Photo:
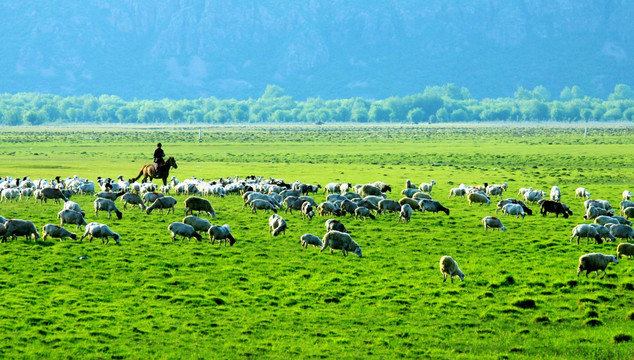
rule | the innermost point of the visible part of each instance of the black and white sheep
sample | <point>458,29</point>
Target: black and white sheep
<point>194,203</point>
<point>165,202</point>
<point>626,249</point>
<point>184,230</point>
<point>307,211</point>
<point>449,267</point>
<point>71,217</point>
<point>107,205</point>
<point>587,231</point>
<point>493,223</point>
<point>478,198</point>
<point>199,224</point>
<point>58,232</point>
<point>338,240</point>
<point>277,225</point>
<point>100,231</point>
<point>595,262</point>
<point>310,239</point>
<point>17,227</point>
<point>221,233</point>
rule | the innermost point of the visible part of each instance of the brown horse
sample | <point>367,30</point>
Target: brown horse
<point>150,171</point>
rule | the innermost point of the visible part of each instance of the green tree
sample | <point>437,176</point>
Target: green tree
<point>537,110</point>
<point>378,113</point>
<point>416,116</point>
<point>442,115</point>
<point>359,115</point>
<point>621,92</point>
<point>541,93</point>
<point>459,115</point>
<point>613,114</point>
<point>628,114</point>
<point>176,115</point>
<point>523,94</point>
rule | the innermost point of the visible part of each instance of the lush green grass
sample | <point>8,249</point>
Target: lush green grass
<point>269,298</point>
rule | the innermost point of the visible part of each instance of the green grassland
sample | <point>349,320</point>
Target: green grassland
<point>267,297</point>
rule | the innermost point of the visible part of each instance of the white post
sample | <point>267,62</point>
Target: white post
<point>200,135</point>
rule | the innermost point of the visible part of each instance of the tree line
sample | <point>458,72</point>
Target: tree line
<point>437,104</point>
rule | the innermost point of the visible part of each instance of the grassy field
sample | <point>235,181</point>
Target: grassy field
<point>267,297</point>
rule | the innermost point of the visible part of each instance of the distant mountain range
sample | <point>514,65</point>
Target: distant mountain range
<point>313,48</point>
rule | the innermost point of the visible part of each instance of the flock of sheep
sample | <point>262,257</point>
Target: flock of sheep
<point>274,195</point>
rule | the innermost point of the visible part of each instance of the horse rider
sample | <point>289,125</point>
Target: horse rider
<point>158,156</point>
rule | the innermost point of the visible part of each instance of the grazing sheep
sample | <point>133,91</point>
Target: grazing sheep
<point>336,197</point>
<point>184,230</point>
<point>363,212</point>
<point>457,192</point>
<point>622,220</point>
<point>555,194</point>
<point>327,208</point>
<point>427,187</point>
<point>338,240</point>
<point>627,194</point>
<point>406,213</point>
<point>549,206</point>
<point>348,207</point>
<point>367,204</point>
<point>71,205</point>
<point>599,203</point>
<point>26,193</point>
<point>449,267</point>
<point>581,192</point>
<point>194,203</point>
<point>628,212</point>
<point>493,223</point>
<point>622,231</point>
<point>334,224</point>
<point>594,212</point>
<point>310,239</point>
<point>534,196</point>
<point>71,217</point>
<point>132,199</point>
<point>625,204</point>
<point>604,232</point>
<point>277,225</point>
<point>478,198</point>
<point>513,209</point>
<point>626,249</point>
<point>494,190</point>
<point>17,227</point>
<point>109,195</point>
<point>221,233</point>
<point>382,186</point>
<point>368,190</point>
<point>409,192</point>
<point>107,205</point>
<point>523,191</point>
<point>374,200</point>
<point>197,223</point>
<point>586,231</point>
<point>53,193</point>
<point>262,205</point>
<point>55,231</point>
<point>165,202</point>
<point>150,197</point>
<point>604,219</point>
<point>501,204</point>
<point>307,211</point>
<point>432,206</point>
<point>101,231</point>
<point>332,188</point>
<point>595,262</point>
<point>9,194</point>
<point>413,203</point>
<point>421,195</point>
<point>389,205</point>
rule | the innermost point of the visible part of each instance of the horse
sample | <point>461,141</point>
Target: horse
<point>150,171</point>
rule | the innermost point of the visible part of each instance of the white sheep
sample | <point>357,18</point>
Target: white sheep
<point>18,227</point>
<point>55,231</point>
<point>626,249</point>
<point>338,240</point>
<point>277,225</point>
<point>627,194</point>
<point>604,219</point>
<point>421,195</point>
<point>389,205</point>
<point>262,205</point>
<point>599,203</point>
<point>493,223</point>
<point>310,239</point>
<point>457,192</point>
<point>194,203</point>
<point>26,193</point>
<point>327,208</point>
<point>628,212</point>
<point>582,192</point>
<point>478,198</point>
<point>363,212</point>
<point>604,232</point>
<point>409,185</point>
<point>9,195</point>
<point>71,205</point>
<point>150,197</point>
<point>534,196</point>
<point>555,193</point>
<point>166,202</point>
<point>586,231</point>
<point>406,213</point>
<point>625,204</point>
<point>523,191</point>
<point>184,230</point>
<point>622,231</point>
<point>427,187</point>
<point>197,223</point>
<point>221,233</point>
<point>332,188</point>
<point>71,217</point>
<point>595,262</point>
<point>107,205</point>
<point>513,209</point>
<point>594,212</point>
<point>101,231</point>
<point>132,199</point>
<point>494,190</point>
<point>449,267</point>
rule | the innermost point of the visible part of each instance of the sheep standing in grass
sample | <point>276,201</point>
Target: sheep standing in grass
<point>107,205</point>
<point>626,249</point>
<point>221,233</point>
<point>595,262</point>
<point>150,197</point>
<point>586,231</point>
<point>334,224</point>
<point>348,207</point>
<point>457,192</point>
<point>622,231</point>
<point>389,205</point>
<point>534,196</point>
<point>628,212</point>
<point>58,232</point>
<point>53,193</point>
<point>338,240</point>
<point>409,185</point>
<point>184,230</point>
<point>327,208</point>
<point>594,212</point>
<point>627,194</point>
<point>197,223</point>
<point>370,190</point>
<point>259,204</point>
<point>478,199</point>
<point>132,199</point>
<point>513,209</point>
<point>432,206</point>
<point>581,192</point>
<point>18,227</point>
<point>9,194</point>
<point>199,204</point>
<point>604,232</point>
<point>413,203</point>
<point>427,187</point>
<point>71,217</point>
<point>449,267</point>
<point>493,223</point>
<point>166,202</point>
<point>406,213</point>
<point>501,204</point>
<point>310,239</point>
<point>101,231</point>
<point>277,225</point>
<point>363,212</point>
<point>307,211</point>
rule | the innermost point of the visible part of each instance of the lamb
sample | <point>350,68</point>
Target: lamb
<point>628,212</point>
<point>581,192</point>
<point>406,213</point>
<point>595,262</point>
<point>368,189</point>
<point>449,267</point>
<point>197,223</point>
<point>389,205</point>
<point>221,233</point>
<point>414,204</point>
<point>262,205</point>
<point>132,199</point>
<point>622,231</point>
<point>194,203</point>
<point>604,232</point>
<point>107,205</point>
<point>432,206</point>
<point>18,227</point>
<point>55,231</point>
<point>478,198</point>
<point>53,193</point>
<point>627,194</point>
<point>338,240</point>
<point>626,249</point>
<point>513,209</point>
<point>427,187</point>
<point>493,223</point>
<point>102,231</point>
<point>165,202</point>
<point>277,225</point>
<point>586,231</point>
<point>71,217</point>
<point>327,208</point>
<point>457,192</point>
<point>310,239</point>
<point>333,224</point>
<point>555,194</point>
<point>184,230</point>
<point>363,212</point>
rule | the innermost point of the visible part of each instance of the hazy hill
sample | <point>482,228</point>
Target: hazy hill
<point>332,49</point>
